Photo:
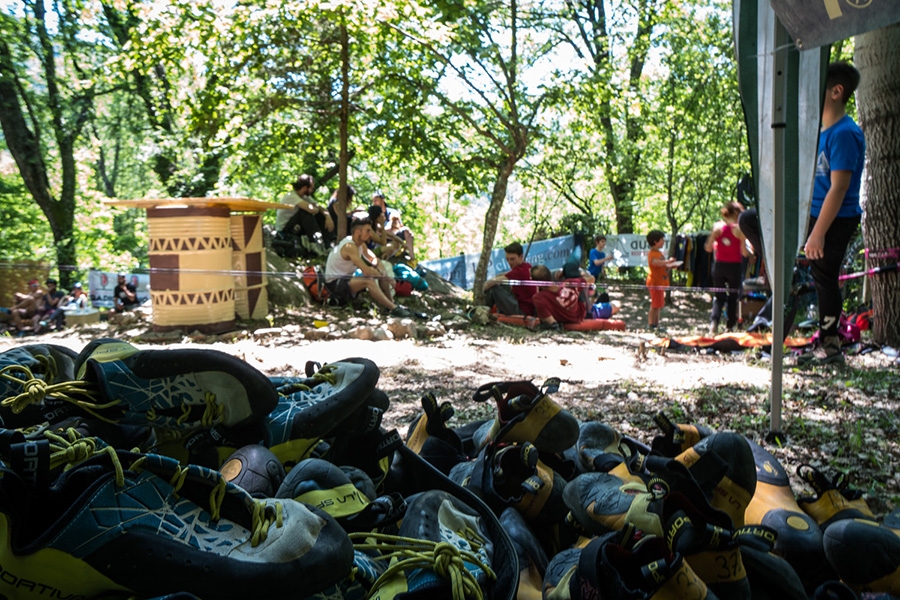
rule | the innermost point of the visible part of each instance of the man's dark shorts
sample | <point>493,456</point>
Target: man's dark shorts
<point>339,289</point>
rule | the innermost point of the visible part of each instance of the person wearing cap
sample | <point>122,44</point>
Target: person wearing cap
<point>75,299</point>
<point>26,305</point>
<point>124,295</point>
<point>49,312</point>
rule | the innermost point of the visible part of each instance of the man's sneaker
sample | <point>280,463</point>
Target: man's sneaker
<point>123,524</point>
<point>865,555</point>
<point>442,551</point>
<point>834,499</point>
<point>554,326</point>
<point>169,389</point>
<point>527,414</point>
<point>830,353</point>
<point>402,312</point>
<point>799,538</point>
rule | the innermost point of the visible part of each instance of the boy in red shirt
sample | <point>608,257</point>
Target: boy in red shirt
<point>658,279</point>
<point>557,304</point>
<point>512,299</point>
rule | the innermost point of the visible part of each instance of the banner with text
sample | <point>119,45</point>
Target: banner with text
<point>628,250</point>
<point>101,285</point>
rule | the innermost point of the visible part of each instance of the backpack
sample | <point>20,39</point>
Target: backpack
<point>314,280</point>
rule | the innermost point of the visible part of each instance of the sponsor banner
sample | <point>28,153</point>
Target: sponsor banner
<point>101,285</point>
<point>814,23</point>
<point>628,250</point>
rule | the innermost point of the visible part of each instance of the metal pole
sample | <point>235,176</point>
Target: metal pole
<point>779,122</point>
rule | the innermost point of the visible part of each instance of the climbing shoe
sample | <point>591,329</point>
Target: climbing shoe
<point>429,437</point>
<point>799,538</point>
<point>25,372</point>
<point>732,491</point>
<point>834,499</point>
<point>531,556</point>
<point>865,555</point>
<point>255,469</point>
<point>126,524</point>
<point>675,439</point>
<point>442,550</point>
<point>169,389</point>
<point>527,414</point>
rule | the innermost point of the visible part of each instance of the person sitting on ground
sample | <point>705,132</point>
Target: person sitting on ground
<point>341,209</point>
<point>597,258</point>
<point>512,299</point>
<point>384,244</point>
<point>307,221</point>
<point>76,299</point>
<point>124,294</point>
<point>558,304</point>
<point>603,308</point>
<point>341,276</point>
<point>371,253</point>
<point>394,225</point>
<point>27,304</point>
<point>49,312</point>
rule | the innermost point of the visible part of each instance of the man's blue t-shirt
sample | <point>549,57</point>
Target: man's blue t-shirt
<point>593,269</point>
<point>842,147</point>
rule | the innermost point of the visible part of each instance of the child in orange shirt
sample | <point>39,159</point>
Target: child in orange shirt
<point>658,279</point>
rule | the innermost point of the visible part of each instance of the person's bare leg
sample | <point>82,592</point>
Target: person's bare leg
<point>357,284</point>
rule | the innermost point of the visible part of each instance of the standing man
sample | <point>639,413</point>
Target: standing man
<point>515,299</point>
<point>344,260</point>
<point>309,222</point>
<point>124,295</point>
<point>835,212</point>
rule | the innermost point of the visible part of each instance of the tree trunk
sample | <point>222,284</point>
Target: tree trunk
<point>877,57</point>
<point>341,205</point>
<point>491,220</point>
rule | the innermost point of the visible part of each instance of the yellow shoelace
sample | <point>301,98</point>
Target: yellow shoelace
<point>444,558</point>
<point>36,390</point>
<point>324,375</point>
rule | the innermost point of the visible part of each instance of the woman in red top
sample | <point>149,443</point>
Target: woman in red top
<point>727,243</point>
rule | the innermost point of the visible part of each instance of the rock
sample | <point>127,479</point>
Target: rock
<point>317,334</point>
<point>432,329</point>
<point>381,334</point>
<point>361,333</point>
<point>285,291</point>
<point>267,332</point>
<point>455,324</point>
<point>403,328</point>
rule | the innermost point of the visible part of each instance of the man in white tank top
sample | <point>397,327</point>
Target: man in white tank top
<point>343,261</point>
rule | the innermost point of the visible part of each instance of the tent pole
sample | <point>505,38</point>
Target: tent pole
<point>779,122</point>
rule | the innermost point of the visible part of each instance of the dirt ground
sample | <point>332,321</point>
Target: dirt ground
<point>837,419</point>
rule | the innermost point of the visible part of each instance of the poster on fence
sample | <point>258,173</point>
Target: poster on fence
<point>102,283</point>
<point>628,250</point>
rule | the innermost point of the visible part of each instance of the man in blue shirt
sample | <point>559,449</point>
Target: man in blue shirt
<point>835,212</point>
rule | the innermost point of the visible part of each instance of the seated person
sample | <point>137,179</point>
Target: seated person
<point>512,299</point>
<point>76,299</point>
<point>311,224</point>
<point>49,312</point>
<point>557,303</point>
<point>394,225</point>
<point>27,304</point>
<point>336,207</point>
<point>124,295</point>
<point>383,243</point>
<point>603,308</point>
<point>341,276</point>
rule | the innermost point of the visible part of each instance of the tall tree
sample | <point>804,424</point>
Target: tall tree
<point>44,117</point>
<point>472,76</point>
<point>613,49</point>
<point>877,56</point>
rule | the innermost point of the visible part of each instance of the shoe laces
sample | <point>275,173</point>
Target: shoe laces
<point>35,390</point>
<point>263,514</point>
<point>325,374</point>
<point>211,414</point>
<point>445,559</point>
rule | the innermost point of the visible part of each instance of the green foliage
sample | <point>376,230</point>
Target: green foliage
<point>25,234</point>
